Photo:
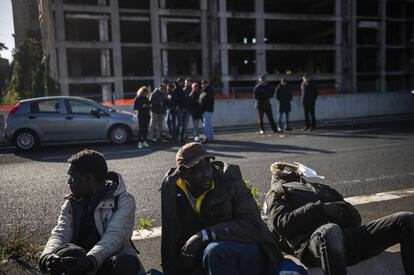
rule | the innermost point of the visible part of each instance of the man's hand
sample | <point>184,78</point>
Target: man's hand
<point>54,264</point>
<point>78,265</point>
<point>192,246</point>
<point>335,209</point>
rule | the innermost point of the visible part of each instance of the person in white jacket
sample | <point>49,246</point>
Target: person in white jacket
<point>93,234</point>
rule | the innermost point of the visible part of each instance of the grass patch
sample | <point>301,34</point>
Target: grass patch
<point>254,192</point>
<point>145,223</point>
<point>20,247</point>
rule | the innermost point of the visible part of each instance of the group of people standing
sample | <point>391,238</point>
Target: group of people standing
<point>263,92</point>
<point>172,104</point>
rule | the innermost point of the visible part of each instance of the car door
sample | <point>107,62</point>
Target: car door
<point>45,117</point>
<point>81,124</point>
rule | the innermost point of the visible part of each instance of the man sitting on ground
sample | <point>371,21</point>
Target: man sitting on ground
<point>95,224</point>
<point>211,223</point>
<point>317,226</point>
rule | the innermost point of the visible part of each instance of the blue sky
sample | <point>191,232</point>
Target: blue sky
<point>6,28</point>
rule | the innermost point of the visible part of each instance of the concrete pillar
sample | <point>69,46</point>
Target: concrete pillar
<point>354,44</point>
<point>214,42</point>
<point>116,50</point>
<point>61,48</point>
<point>106,92</point>
<point>164,52</point>
<point>338,44</point>
<point>383,49</point>
<point>224,52</point>
<point>205,56</point>
<point>260,35</point>
<point>156,46</point>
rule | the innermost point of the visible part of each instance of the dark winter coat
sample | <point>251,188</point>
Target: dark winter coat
<point>158,101</point>
<point>284,96</point>
<point>207,99</point>
<point>309,93</point>
<point>262,93</point>
<point>229,211</point>
<point>195,106</point>
<point>295,210</point>
<point>182,98</point>
<point>142,106</point>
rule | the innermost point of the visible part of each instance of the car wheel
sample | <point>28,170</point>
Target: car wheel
<point>119,134</point>
<point>26,140</point>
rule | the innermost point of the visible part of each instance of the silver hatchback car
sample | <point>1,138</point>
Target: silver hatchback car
<point>36,121</point>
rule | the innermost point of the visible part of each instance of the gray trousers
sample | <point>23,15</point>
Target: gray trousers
<point>156,125</point>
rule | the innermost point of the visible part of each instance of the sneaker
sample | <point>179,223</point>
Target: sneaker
<point>288,129</point>
<point>197,139</point>
<point>304,129</point>
<point>279,129</point>
<point>154,139</point>
<point>261,132</point>
<point>139,145</point>
<point>145,144</point>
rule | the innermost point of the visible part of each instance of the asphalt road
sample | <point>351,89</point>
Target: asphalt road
<point>356,158</point>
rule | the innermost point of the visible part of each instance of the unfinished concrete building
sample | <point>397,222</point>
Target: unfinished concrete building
<point>106,49</point>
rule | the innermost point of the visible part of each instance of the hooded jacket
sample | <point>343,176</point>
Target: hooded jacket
<point>229,211</point>
<point>114,227</point>
<point>295,210</point>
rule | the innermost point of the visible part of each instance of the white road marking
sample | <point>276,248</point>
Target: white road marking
<point>357,200</point>
<point>378,197</point>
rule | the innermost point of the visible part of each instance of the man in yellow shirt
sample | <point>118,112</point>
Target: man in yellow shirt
<point>210,220</point>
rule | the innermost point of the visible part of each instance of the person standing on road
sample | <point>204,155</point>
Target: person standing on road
<point>309,95</point>
<point>262,93</point>
<point>158,101</point>
<point>210,220</point>
<point>315,224</point>
<point>284,97</point>
<point>142,108</point>
<point>171,111</point>
<point>95,223</point>
<point>207,104</point>
<point>196,109</point>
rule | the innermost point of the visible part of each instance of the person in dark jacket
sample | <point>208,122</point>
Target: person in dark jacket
<point>207,104</point>
<point>262,93</point>
<point>158,101</point>
<point>321,229</point>
<point>207,212</point>
<point>172,110</point>
<point>196,109</point>
<point>95,224</point>
<point>284,97</point>
<point>182,92</point>
<point>309,95</point>
<point>142,108</point>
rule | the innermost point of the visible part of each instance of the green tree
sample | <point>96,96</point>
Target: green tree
<point>30,73</point>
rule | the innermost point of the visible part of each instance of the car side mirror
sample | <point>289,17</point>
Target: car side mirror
<point>95,112</point>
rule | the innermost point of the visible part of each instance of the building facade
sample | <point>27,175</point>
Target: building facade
<point>25,20</point>
<point>106,49</point>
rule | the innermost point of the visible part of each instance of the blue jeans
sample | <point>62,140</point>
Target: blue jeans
<point>181,123</point>
<point>172,122</point>
<point>208,126</point>
<point>232,257</point>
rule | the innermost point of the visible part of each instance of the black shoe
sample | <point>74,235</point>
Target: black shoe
<point>288,129</point>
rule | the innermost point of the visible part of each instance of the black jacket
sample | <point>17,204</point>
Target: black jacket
<point>284,96</point>
<point>295,210</point>
<point>229,210</point>
<point>309,93</point>
<point>207,99</point>
<point>195,106</point>
<point>182,98</point>
<point>262,93</point>
<point>142,106</point>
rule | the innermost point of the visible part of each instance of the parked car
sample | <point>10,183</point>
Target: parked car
<point>33,122</point>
